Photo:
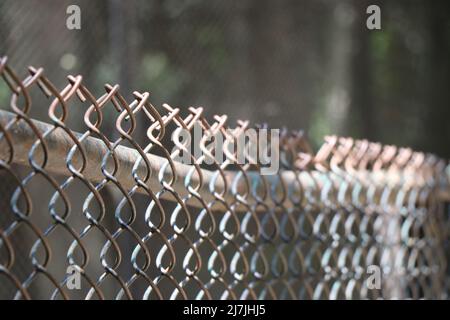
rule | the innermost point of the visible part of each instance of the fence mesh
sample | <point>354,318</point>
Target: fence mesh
<point>119,209</point>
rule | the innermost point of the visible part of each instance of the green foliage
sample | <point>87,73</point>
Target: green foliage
<point>159,77</point>
<point>212,39</point>
<point>320,125</point>
<point>4,95</point>
<point>380,46</point>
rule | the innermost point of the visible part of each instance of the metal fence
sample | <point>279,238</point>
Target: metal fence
<point>96,190</point>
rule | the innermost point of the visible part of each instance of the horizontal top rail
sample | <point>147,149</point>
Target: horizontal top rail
<point>59,145</point>
<point>310,229</point>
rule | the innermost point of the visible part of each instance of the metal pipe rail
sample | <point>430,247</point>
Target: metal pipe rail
<point>309,231</point>
<point>59,145</point>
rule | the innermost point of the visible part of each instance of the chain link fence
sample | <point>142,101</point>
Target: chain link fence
<point>118,209</point>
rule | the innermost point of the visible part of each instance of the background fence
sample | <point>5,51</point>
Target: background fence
<point>309,64</point>
<point>135,223</point>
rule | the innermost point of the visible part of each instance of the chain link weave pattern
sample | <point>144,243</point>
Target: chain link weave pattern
<point>95,187</point>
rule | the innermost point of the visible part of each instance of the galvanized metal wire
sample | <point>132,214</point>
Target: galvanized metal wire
<point>135,223</point>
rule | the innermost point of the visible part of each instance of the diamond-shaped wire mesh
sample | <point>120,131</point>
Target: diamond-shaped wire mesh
<point>134,222</point>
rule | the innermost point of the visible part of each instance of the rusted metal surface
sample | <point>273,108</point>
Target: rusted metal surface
<point>137,223</point>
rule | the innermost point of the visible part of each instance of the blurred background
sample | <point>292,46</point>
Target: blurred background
<point>309,64</point>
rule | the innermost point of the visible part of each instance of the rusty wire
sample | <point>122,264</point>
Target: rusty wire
<point>150,227</point>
